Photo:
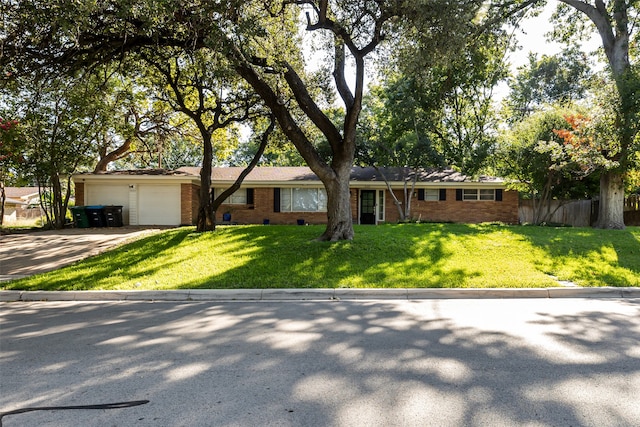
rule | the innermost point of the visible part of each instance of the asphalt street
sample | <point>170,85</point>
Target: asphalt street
<point>512,362</point>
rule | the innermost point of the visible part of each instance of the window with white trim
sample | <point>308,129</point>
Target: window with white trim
<point>303,200</point>
<point>237,198</point>
<point>432,194</point>
<point>478,194</point>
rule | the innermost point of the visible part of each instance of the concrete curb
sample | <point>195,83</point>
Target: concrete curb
<point>317,294</point>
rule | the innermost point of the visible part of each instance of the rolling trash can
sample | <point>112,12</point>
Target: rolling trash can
<point>79,215</point>
<point>96,216</point>
<point>113,216</point>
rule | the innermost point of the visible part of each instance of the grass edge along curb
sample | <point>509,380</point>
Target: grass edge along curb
<point>403,256</point>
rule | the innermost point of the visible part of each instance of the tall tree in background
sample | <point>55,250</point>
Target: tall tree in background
<point>551,79</point>
<point>448,102</point>
<point>392,135</point>
<point>133,124</point>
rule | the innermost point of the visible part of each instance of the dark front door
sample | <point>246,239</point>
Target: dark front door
<point>368,207</point>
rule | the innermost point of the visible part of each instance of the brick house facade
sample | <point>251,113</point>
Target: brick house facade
<point>454,201</point>
<point>291,195</point>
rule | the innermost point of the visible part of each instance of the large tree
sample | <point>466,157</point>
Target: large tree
<point>392,135</point>
<point>445,101</point>
<point>535,159</point>
<point>261,41</point>
<point>59,118</point>
<point>615,22</point>
<point>134,125</point>
<point>202,87</point>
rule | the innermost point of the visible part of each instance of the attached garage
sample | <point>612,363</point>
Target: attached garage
<point>159,204</point>
<point>148,197</point>
<point>116,194</point>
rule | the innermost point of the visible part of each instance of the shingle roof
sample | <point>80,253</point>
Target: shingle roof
<point>279,174</point>
<point>19,192</point>
<point>358,174</point>
<point>305,174</point>
<point>11,201</point>
<point>166,172</point>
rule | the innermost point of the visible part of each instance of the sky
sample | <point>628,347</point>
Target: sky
<point>532,37</point>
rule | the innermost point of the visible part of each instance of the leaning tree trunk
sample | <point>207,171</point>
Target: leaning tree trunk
<point>118,153</point>
<point>611,207</point>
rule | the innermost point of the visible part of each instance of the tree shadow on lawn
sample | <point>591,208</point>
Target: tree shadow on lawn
<point>321,364</point>
<point>589,256</point>
<point>417,258</point>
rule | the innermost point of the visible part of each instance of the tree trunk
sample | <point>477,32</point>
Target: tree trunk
<point>206,215</point>
<point>114,155</point>
<point>57,202</point>
<point>613,27</point>
<point>339,219</point>
<point>401,212</point>
<point>611,207</point>
<point>408,195</point>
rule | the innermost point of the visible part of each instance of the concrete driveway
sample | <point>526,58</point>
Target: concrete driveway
<point>27,254</point>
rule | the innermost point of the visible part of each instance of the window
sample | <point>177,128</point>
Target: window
<point>381,205</point>
<point>475,194</point>
<point>487,195</point>
<point>303,200</point>
<point>237,198</point>
<point>432,195</point>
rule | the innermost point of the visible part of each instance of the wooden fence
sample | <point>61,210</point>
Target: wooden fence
<point>579,213</point>
<point>632,203</point>
<point>570,212</point>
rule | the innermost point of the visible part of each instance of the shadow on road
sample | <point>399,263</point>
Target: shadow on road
<point>322,364</point>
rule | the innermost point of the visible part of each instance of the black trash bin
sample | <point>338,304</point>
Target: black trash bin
<point>79,215</point>
<point>96,216</point>
<point>113,216</point>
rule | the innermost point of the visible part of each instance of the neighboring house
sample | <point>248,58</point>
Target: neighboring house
<point>21,203</point>
<point>288,195</point>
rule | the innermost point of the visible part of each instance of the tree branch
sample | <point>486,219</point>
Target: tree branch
<point>264,139</point>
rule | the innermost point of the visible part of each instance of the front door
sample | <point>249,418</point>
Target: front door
<point>368,207</point>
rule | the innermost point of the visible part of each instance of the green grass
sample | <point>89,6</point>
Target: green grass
<point>388,256</point>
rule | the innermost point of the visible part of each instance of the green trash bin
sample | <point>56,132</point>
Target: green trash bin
<point>80,217</point>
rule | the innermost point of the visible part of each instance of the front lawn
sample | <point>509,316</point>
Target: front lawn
<point>388,256</point>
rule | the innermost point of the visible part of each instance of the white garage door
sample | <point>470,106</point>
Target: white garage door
<point>108,195</point>
<point>159,204</point>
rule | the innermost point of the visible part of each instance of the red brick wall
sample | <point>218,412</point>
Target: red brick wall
<point>79,193</point>
<point>189,204</point>
<point>355,200</point>
<point>452,210</point>
<point>262,209</point>
<point>438,211</point>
